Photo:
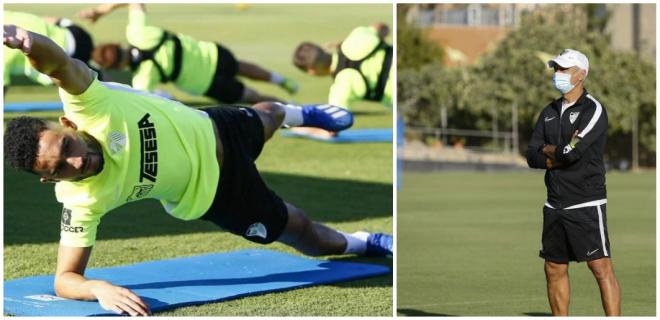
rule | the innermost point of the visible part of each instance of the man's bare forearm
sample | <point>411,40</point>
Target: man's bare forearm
<point>46,56</point>
<point>71,285</point>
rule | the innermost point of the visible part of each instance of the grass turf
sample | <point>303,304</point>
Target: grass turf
<point>348,187</point>
<point>468,246</point>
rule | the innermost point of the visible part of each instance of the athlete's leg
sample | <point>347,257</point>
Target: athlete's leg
<point>255,72</point>
<point>556,275</point>
<point>610,293</point>
<point>274,115</point>
<point>306,236</point>
<point>310,238</point>
<point>271,115</point>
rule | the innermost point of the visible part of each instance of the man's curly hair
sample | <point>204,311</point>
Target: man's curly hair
<point>22,141</point>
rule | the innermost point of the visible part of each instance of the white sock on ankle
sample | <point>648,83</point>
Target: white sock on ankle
<point>355,242</point>
<point>276,78</point>
<point>293,115</point>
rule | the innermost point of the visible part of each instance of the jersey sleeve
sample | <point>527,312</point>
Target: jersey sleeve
<point>78,226</point>
<point>347,87</point>
<point>146,78</point>
<point>592,126</point>
<point>139,33</point>
<point>535,157</point>
<point>91,101</point>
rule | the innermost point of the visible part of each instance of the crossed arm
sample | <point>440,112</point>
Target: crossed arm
<point>546,156</point>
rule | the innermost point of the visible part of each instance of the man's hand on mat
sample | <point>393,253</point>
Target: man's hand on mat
<point>17,38</point>
<point>120,300</point>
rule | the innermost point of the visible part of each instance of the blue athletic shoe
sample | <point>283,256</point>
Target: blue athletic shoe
<point>327,117</point>
<point>380,245</point>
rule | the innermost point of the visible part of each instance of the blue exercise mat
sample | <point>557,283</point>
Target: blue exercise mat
<point>167,284</point>
<point>348,136</point>
<point>33,106</point>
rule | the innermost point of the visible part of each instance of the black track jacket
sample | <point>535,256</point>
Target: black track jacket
<point>580,176</point>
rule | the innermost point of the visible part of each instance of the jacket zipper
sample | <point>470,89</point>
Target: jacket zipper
<point>558,143</point>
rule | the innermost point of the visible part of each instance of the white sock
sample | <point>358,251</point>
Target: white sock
<point>355,242</point>
<point>276,78</point>
<point>293,116</point>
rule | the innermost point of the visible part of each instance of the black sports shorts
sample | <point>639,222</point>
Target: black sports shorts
<point>243,204</point>
<point>575,234</point>
<point>225,87</point>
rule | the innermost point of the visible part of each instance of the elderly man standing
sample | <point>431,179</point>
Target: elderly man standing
<point>569,142</point>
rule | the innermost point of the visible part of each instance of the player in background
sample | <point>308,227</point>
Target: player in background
<point>361,66</point>
<point>200,68</point>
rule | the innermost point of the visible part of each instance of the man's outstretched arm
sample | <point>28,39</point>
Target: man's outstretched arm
<point>71,283</point>
<point>72,75</point>
<point>95,13</point>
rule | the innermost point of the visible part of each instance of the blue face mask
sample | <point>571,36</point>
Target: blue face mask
<point>562,82</point>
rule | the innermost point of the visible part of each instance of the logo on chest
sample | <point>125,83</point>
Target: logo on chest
<point>116,142</point>
<point>148,159</point>
<point>573,116</point>
<point>149,150</point>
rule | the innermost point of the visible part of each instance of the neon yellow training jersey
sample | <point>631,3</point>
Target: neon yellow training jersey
<point>15,61</point>
<point>199,58</point>
<point>349,85</point>
<point>152,148</point>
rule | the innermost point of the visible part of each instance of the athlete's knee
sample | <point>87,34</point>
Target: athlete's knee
<point>601,268</point>
<point>554,271</point>
<point>270,112</point>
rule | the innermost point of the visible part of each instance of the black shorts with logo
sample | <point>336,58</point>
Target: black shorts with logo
<point>575,234</point>
<point>243,204</point>
<point>225,86</point>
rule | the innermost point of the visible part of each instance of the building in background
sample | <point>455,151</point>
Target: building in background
<point>467,31</point>
<point>632,28</point>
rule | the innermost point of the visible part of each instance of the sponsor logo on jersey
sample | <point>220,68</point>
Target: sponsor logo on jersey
<point>139,192</point>
<point>66,216</point>
<point>149,148</point>
<point>257,229</point>
<point>66,222</point>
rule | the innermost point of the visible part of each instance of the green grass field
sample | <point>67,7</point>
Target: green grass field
<point>468,245</point>
<point>349,187</point>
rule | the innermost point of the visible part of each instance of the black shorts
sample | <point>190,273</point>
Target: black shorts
<point>243,204</point>
<point>575,234</point>
<point>225,87</point>
<point>84,42</point>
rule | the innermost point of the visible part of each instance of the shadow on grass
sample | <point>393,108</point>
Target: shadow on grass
<point>32,214</point>
<point>538,314</point>
<point>420,313</point>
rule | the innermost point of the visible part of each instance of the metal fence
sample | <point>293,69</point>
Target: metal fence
<point>477,140</point>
